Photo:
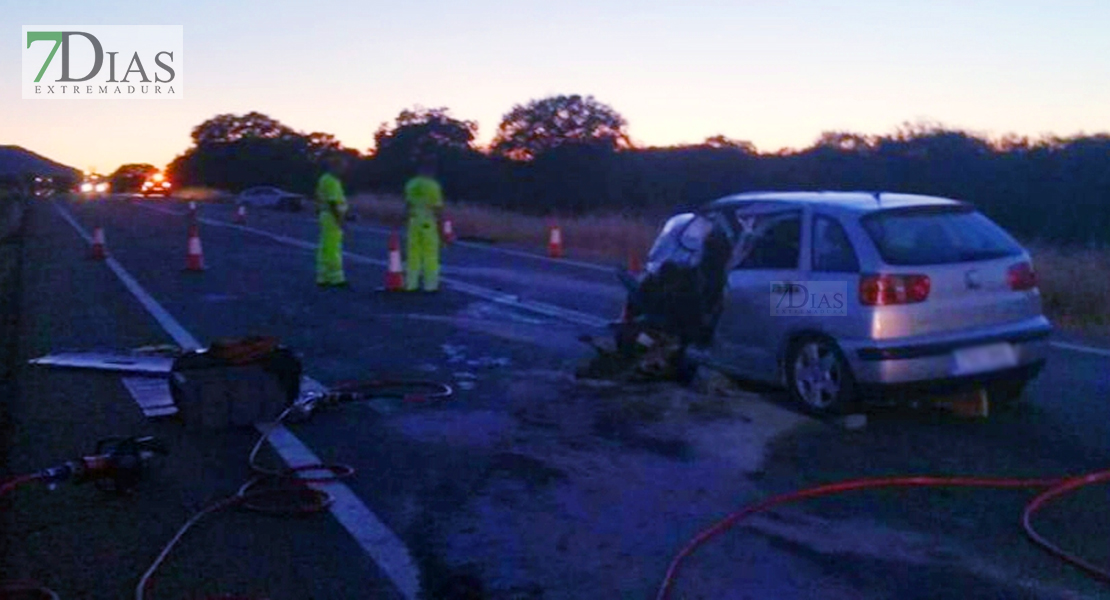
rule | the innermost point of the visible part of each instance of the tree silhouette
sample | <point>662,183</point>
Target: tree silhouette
<point>846,142</point>
<point>321,145</point>
<point>130,177</point>
<point>233,152</point>
<point>421,132</point>
<point>555,155</point>
<point>722,142</point>
<point>529,130</point>
<point>229,128</point>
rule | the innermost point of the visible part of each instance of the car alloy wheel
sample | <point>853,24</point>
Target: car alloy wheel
<point>818,376</point>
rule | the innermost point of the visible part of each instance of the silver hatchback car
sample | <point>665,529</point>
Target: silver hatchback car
<point>847,296</point>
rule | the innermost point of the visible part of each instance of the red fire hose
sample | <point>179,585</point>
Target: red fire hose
<point>1054,489</point>
<point>9,486</point>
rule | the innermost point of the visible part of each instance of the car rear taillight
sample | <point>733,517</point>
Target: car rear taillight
<point>885,290</point>
<point>1021,277</point>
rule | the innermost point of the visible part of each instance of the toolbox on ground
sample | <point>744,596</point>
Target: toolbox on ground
<point>235,383</point>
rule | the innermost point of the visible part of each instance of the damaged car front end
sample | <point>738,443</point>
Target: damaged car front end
<point>839,297</point>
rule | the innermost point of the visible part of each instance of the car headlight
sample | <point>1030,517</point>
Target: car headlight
<point>102,187</point>
<point>86,187</point>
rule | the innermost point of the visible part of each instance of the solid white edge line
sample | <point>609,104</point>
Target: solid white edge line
<point>543,308</point>
<point>474,246</point>
<point>1081,348</point>
<point>168,323</point>
<point>385,548</point>
<point>375,538</point>
<point>507,251</point>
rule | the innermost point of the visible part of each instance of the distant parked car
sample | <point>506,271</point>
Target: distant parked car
<point>271,197</point>
<point>844,296</point>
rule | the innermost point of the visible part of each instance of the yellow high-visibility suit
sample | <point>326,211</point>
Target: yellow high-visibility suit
<point>423,196</point>
<point>331,204</point>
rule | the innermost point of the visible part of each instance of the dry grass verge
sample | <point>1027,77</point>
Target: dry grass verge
<point>202,194</point>
<point>1075,286</point>
<point>602,237</point>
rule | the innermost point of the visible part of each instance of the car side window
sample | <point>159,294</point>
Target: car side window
<point>832,250</point>
<point>777,247</point>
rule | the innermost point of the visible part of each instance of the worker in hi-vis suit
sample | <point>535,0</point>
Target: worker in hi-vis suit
<point>424,198</point>
<point>331,206</point>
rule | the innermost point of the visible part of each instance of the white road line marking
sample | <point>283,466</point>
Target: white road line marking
<point>168,323</point>
<point>508,251</point>
<point>543,308</point>
<point>381,544</point>
<point>1081,348</point>
<point>388,552</point>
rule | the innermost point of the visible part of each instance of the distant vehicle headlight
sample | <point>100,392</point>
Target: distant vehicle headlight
<point>166,184</point>
<point>86,187</point>
<point>102,187</point>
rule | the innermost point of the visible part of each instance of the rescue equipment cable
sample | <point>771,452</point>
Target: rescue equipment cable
<point>282,491</point>
<point>289,482</point>
<point>15,482</point>
<point>1052,489</point>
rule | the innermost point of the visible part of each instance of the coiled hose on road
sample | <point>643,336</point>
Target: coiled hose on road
<point>1052,489</point>
<point>290,483</point>
<point>282,492</point>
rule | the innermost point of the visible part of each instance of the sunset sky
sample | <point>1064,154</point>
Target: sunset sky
<point>776,73</point>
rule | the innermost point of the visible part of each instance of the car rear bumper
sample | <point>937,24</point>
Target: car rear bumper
<point>894,392</point>
<point>932,361</point>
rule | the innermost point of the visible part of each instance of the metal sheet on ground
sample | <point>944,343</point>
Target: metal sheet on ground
<point>106,361</point>
<point>152,395</point>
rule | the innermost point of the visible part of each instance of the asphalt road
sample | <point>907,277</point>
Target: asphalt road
<point>1073,392</point>
<point>525,485</point>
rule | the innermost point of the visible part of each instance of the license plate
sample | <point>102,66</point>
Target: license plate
<point>985,358</point>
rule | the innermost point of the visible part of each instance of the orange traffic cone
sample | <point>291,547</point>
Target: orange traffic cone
<point>98,251</point>
<point>448,231</point>
<point>241,215</point>
<point>394,277</point>
<point>194,260</point>
<point>555,242</point>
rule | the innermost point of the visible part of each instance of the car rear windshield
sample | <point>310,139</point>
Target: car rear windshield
<point>937,235</point>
